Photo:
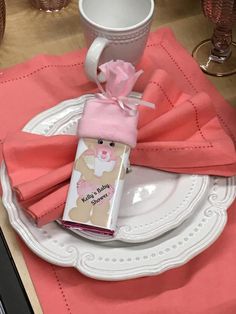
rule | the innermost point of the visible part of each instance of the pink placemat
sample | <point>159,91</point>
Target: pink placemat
<point>204,285</point>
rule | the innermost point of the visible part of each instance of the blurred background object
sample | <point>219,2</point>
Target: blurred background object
<point>217,56</point>
<point>50,5</point>
<point>2,18</point>
<point>29,32</point>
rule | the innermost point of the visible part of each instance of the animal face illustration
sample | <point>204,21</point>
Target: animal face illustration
<point>101,156</point>
<point>104,153</point>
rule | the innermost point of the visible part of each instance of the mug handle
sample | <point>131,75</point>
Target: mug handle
<point>92,58</point>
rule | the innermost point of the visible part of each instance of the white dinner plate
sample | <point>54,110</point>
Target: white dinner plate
<point>153,201</point>
<point>118,260</point>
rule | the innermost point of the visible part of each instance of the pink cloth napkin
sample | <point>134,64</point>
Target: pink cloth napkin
<point>182,134</point>
<point>46,80</point>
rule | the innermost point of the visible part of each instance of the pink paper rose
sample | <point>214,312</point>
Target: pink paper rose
<point>120,77</point>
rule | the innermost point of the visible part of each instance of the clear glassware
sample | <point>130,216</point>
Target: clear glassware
<point>50,5</point>
<point>2,18</point>
<point>217,56</point>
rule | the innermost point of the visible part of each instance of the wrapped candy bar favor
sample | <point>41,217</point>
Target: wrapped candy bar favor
<point>107,131</point>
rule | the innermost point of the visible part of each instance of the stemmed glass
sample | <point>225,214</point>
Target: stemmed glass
<point>50,5</point>
<point>217,56</point>
<point>2,18</point>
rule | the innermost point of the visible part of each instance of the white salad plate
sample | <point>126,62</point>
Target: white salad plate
<point>118,260</point>
<point>153,202</point>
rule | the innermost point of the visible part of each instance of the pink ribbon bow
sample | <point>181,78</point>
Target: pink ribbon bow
<point>120,79</point>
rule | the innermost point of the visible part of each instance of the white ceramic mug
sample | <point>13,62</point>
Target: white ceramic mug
<point>114,29</point>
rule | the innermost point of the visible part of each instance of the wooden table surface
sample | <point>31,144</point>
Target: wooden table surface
<point>30,32</point>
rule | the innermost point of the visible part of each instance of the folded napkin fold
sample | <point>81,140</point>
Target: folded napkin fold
<point>181,135</point>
